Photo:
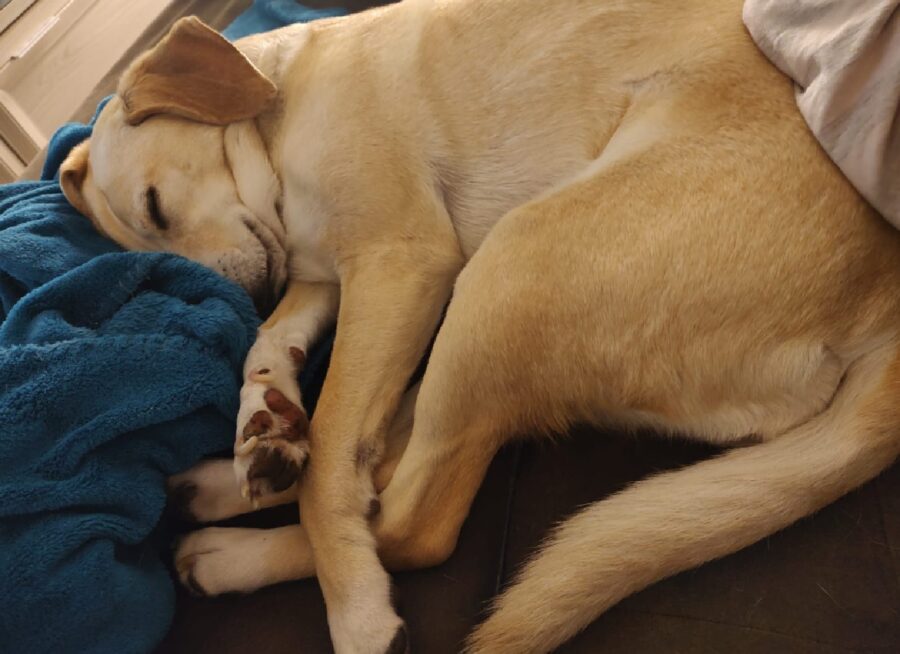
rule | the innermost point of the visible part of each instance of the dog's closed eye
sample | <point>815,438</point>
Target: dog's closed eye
<point>153,209</point>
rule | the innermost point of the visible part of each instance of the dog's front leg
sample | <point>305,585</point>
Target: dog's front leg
<point>390,305</point>
<point>271,444</point>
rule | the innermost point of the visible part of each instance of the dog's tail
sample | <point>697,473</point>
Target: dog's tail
<point>681,519</point>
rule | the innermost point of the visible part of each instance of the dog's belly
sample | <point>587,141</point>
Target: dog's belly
<point>479,195</point>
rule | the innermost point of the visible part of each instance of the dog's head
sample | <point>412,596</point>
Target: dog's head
<point>176,164</point>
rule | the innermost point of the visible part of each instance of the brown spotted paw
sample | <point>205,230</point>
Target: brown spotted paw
<point>272,445</point>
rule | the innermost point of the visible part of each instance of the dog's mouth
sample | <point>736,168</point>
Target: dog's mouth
<point>268,291</point>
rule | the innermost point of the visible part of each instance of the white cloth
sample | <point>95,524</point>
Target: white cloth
<point>844,56</point>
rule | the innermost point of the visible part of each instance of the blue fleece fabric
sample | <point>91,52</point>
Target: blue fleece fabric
<point>117,369</point>
<point>267,15</point>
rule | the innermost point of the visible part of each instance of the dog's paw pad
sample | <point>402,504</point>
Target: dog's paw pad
<point>294,423</point>
<point>275,465</point>
<point>259,423</point>
<point>273,447</point>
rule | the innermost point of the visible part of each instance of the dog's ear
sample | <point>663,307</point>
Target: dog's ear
<point>195,73</point>
<point>72,174</point>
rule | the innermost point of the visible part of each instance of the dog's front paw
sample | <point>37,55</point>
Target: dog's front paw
<point>271,446</point>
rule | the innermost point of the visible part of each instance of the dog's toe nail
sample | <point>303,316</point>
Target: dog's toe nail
<point>275,467</point>
<point>276,401</point>
<point>247,446</point>
<point>194,586</point>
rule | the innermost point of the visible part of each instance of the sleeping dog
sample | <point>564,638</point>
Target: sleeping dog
<point>636,228</point>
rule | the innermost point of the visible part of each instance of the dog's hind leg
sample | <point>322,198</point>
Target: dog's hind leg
<point>462,417</point>
<point>209,492</point>
<point>681,519</point>
<point>220,560</point>
<point>458,418</point>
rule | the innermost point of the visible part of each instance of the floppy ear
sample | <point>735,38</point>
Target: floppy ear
<point>195,73</point>
<point>72,174</point>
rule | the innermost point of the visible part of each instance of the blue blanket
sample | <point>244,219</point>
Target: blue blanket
<point>117,369</point>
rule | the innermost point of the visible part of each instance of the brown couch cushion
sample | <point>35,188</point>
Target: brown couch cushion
<point>830,583</point>
<point>827,584</point>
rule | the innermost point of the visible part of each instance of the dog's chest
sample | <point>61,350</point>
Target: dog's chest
<point>304,222</point>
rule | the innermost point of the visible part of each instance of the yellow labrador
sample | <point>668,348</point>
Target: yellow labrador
<point>636,228</point>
